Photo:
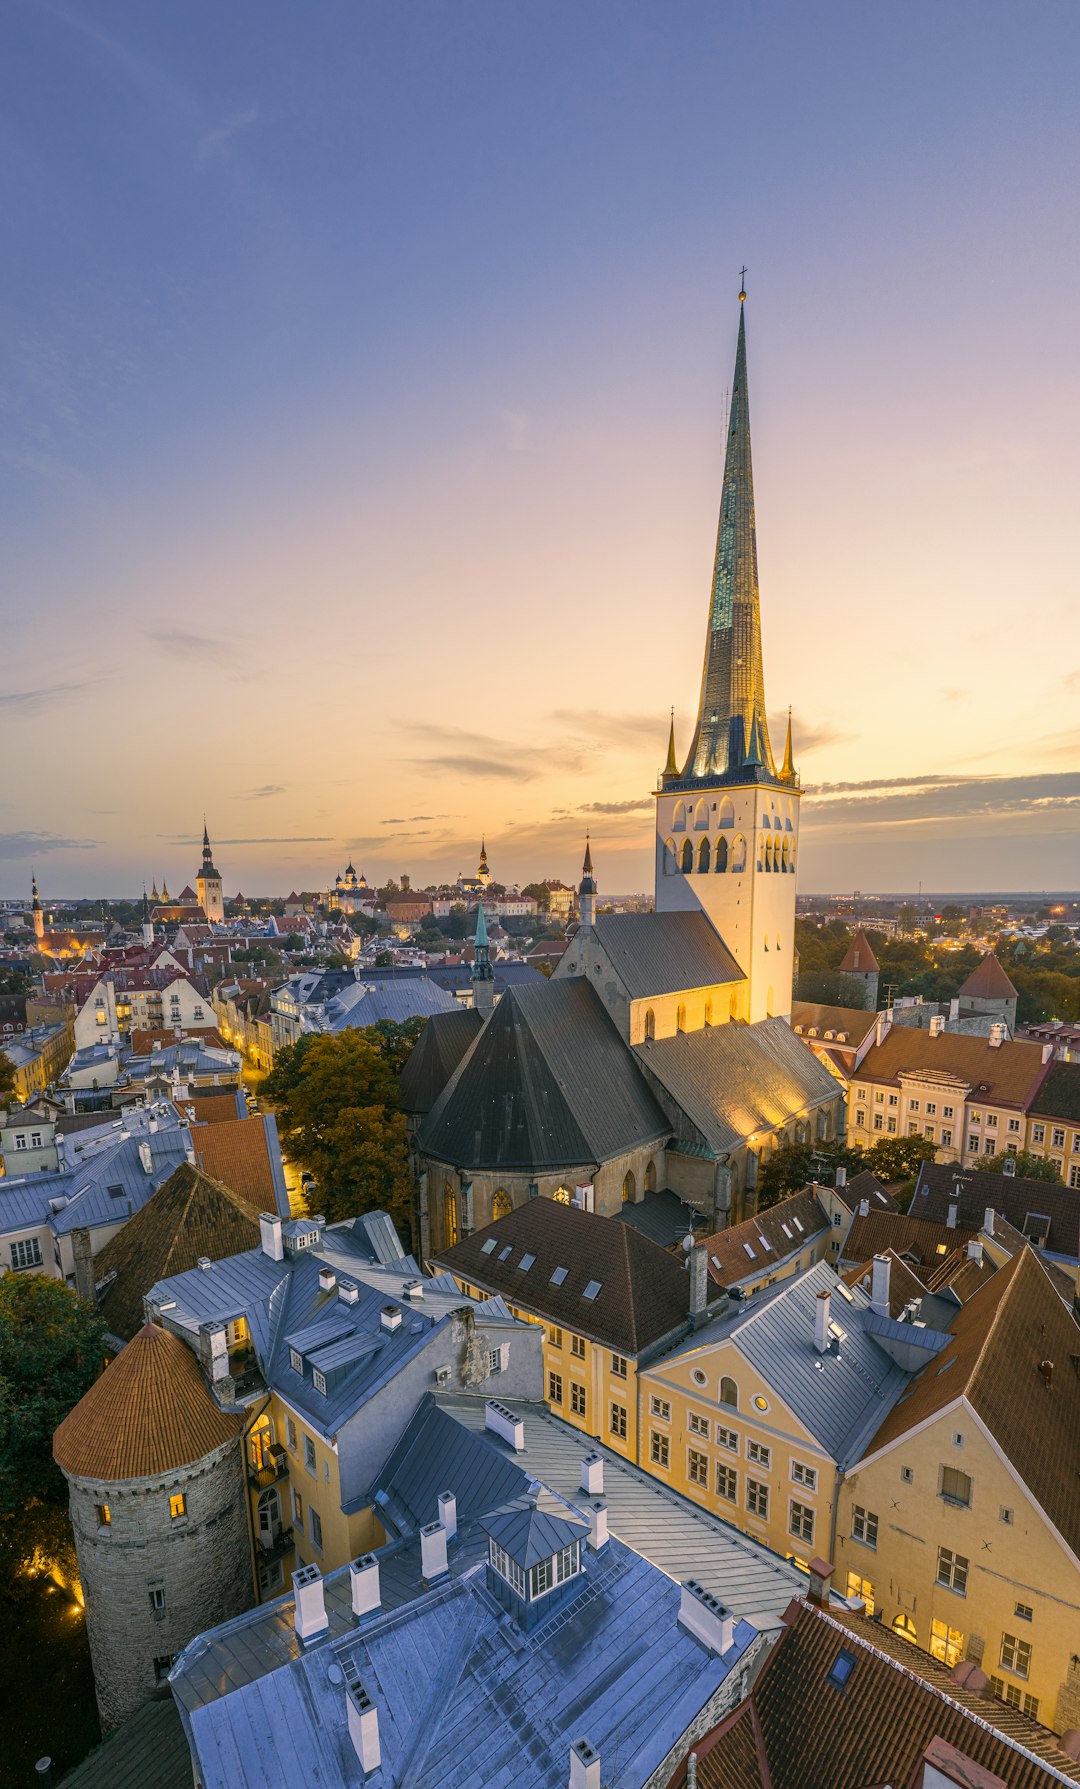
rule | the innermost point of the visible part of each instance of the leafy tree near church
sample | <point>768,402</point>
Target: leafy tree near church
<point>1025,1166</point>
<point>798,1164</point>
<point>7,1078</point>
<point>899,1158</point>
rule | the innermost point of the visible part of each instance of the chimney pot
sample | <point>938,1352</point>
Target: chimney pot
<point>841,1177</point>
<point>327,1279</point>
<point>864,1208</point>
<point>503,1421</point>
<point>699,1279</point>
<point>364,1583</point>
<point>592,1474</point>
<point>598,1525</point>
<point>584,1766</point>
<point>975,1250</point>
<point>822,1313</point>
<point>433,1552</point>
<point>270,1235</point>
<point>951,1215</point>
<point>363,1718</point>
<point>390,1318</point>
<point>448,1513</point>
<point>988,1220</point>
<point>879,1288</point>
<point>820,1573</point>
<point>706,1617</point>
<point>309,1612</point>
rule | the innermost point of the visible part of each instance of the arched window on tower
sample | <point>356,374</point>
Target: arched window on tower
<point>650,1023</point>
<point>650,1178</point>
<point>678,824</point>
<point>738,854</point>
<point>671,862</point>
<point>701,816</point>
<point>450,1215</point>
<point>720,861</point>
<point>726,814</point>
<point>629,1188</point>
<point>704,858</point>
<point>708,1012</point>
<point>688,857</point>
<point>502,1204</point>
<point>680,1017</point>
<point>768,854</point>
<point>786,865</point>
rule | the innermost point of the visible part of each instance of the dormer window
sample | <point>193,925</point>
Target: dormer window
<point>296,1361</point>
<point>540,1578</point>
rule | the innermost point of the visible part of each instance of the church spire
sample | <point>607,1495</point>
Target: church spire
<point>587,889</point>
<point>732,707</point>
<point>787,773</point>
<point>482,976</point>
<point>671,768</point>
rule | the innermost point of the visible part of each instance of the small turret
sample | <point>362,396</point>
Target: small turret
<point>36,910</point>
<point>147,923</point>
<point>587,889</point>
<point>671,768</point>
<point>787,772</point>
<point>483,976</point>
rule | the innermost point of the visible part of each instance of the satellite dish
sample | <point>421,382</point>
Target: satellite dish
<point>335,1674</point>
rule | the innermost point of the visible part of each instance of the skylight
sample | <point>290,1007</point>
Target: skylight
<point>491,1243</point>
<point>525,1263</point>
<point>787,1232</point>
<point>715,1259</point>
<point>844,1291</point>
<point>842,1667</point>
<point>797,1223</point>
<point>508,1250</point>
<point>559,1276</point>
<point>592,1289</point>
<point>749,1251</point>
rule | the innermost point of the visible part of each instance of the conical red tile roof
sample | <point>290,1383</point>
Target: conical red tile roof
<point>860,959</point>
<point>989,981</point>
<point>149,1413</point>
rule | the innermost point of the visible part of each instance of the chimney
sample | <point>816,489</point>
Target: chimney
<point>879,1287</point>
<point>505,1424</point>
<point>598,1528</point>
<point>270,1235</point>
<point>364,1581</point>
<point>348,1291</point>
<point>820,1573</point>
<point>592,1474</point>
<point>584,1766</point>
<point>1048,1051</point>
<point>951,1215</point>
<point>1046,1373</point>
<point>997,1036</point>
<point>988,1220</point>
<point>937,1024</point>
<point>699,1281</point>
<point>214,1351</point>
<point>363,1718</point>
<point>448,1513</point>
<point>706,1617</point>
<point>309,1604</point>
<point>390,1318</point>
<point>433,1552</point>
<point>841,1178</point>
<point>327,1279</point>
<point>146,1158</point>
<point>864,1208</point>
<point>822,1314</point>
<point>84,1263</point>
<point>974,1249</point>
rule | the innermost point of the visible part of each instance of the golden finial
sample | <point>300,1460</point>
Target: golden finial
<point>742,284</point>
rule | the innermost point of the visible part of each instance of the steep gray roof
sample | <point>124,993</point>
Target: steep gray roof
<point>734,1079</point>
<point>435,1055</point>
<point>665,953</point>
<point>548,1084</point>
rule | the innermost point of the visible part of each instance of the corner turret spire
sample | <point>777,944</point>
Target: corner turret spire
<point>732,706</point>
<point>787,772</point>
<point>671,768</point>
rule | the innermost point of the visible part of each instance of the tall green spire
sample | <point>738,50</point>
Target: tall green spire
<point>732,707</point>
<point>671,768</point>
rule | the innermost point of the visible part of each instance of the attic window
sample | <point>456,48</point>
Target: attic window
<point>296,1360</point>
<point>798,1224</point>
<point>592,1289</point>
<point>115,1192</point>
<point>525,1263</point>
<point>787,1232</point>
<point>318,1380</point>
<point>559,1276</point>
<point>491,1243</point>
<point>507,1251</point>
<point>749,1251</point>
<point>842,1667</point>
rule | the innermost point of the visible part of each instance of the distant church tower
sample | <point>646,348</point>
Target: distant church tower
<point>727,823</point>
<point>147,922</point>
<point>482,976</point>
<point>483,874</point>
<point>587,890</point>
<point>208,884</point>
<point>37,912</point>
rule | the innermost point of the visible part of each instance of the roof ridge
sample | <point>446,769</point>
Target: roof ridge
<point>1009,1268</point>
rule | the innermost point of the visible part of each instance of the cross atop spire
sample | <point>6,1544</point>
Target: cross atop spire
<point>731,737</point>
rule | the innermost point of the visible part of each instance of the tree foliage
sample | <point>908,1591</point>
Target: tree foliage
<point>1024,1166</point>
<point>339,1113</point>
<point>830,988</point>
<point>7,1078</point>
<point>796,1165</point>
<point>899,1158</point>
<point>51,1350</point>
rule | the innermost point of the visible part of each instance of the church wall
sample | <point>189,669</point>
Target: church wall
<point>586,958</point>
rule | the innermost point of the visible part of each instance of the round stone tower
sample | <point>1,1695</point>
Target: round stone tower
<point>158,1505</point>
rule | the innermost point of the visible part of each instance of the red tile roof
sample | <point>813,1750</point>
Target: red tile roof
<point>237,1154</point>
<point>859,959</point>
<point>988,982</point>
<point>142,1042</point>
<point>1009,1074</point>
<point>781,1230</point>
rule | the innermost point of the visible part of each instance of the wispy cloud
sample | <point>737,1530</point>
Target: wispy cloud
<point>459,764</point>
<point>1048,798</point>
<point>26,701</point>
<point>806,736</point>
<point>617,807</point>
<point>15,845</point>
<point>200,649</point>
<point>412,819</point>
<point>213,142</point>
<point>264,793</point>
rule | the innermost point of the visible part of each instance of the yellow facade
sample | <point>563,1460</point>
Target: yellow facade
<point>1057,1140</point>
<point>986,1578</point>
<point>593,1388</point>
<point>938,1106</point>
<point>714,1429</point>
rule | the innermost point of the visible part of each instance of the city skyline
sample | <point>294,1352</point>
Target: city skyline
<point>365,438</point>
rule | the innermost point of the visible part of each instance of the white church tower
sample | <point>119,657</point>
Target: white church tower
<point>727,823</point>
<point>208,884</point>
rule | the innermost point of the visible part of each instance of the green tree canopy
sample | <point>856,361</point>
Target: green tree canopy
<point>51,1351</point>
<point>1025,1166</point>
<point>899,1158</point>
<point>7,1078</point>
<point>796,1165</point>
<point>830,988</point>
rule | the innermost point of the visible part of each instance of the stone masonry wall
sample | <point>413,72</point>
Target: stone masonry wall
<point>200,1562</point>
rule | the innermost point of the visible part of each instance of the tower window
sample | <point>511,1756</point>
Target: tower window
<point>650,1024</point>
<point>704,863</point>
<point>687,865</point>
<point>720,861</point>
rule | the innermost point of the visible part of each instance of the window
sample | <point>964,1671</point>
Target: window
<point>20,1140</point>
<point>952,1570</point>
<point>318,1380</point>
<point>661,1408</point>
<point>618,1366</point>
<point>946,1139</point>
<point>296,1361</point>
<point>946,1643</point>
<point>698,1425</point>
<point>555,1336</point>
<point>757,1497</point>
<point>1006,1515</point>
<point>877,1123</point>
<point>297,1507</point>
<point>577,1398</point>
<point>554,1388</point>
<point>177,1505</point>
<point>989,1147</point>
<point>729,1393</point>
<point>890,1126</point>
<point>804,1475</point>
<point>316,1529</point>
<point>761,1456</point>
<point>1057,1139</point>
<point>907,1475</point>
<point>947,1112</point>
<point>726,1482</point>
<point>801,1521</point>
<point>931,1108</point>
<point>858,1586</point>
<point>913,1105</point>
<point>973,1145</point>
<point>618,1421</point>
<point>501,1205</point>
<point>1016,1655</point>
<point>991,1121</point>
<point>650,1024</point>
<point>955,1486</point>
<point>659,1449</point>
<point>157,1598</point>
<point>104,1515</point>
<point>727,1438</point>
<point>309,1454</point>
<point>1024,1612</point>
<point>162,1666</point>
<point>26,1253</point>
<point>842,1667</point>
<point>905,1627</point>
<point>892,1099</point>
<point>290,1433</point>
<point>506,1567</point>
<point>697,1469</point>
<point>577,1347</point>
<point>864,1525</point>
<point>271,1577</point>
<point>1038,1133</point>
<point>450,1216</point>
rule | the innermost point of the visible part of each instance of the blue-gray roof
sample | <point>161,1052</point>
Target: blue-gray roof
<point>529,1534</point>
<point>359,1005</point>
<point>436,1454</point>
<point>106,1186</point>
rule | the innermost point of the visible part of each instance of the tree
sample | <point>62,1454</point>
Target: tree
<point>384,959</point>
<point>51,1350</point>
<point>336,1098</point>
<point>1024,1166</point>
<point>7,1078</point>
<point>535,891</point>
<point>456,923</point>
<point>832,989</point>
<point>796,1165</point>
<point>899,1158</point>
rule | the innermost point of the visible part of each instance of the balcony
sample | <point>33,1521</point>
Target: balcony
<point>275,1546</point>
<point>277,1468</point>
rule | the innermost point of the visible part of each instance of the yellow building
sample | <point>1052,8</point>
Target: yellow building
<point>962,1516</point>
<point>969,1095</point>
<point>1053,1129</point>
<point>39,1057</point>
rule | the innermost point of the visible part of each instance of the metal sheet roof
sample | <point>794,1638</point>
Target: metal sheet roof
<point>665,953</point>
<point>732,1080</point>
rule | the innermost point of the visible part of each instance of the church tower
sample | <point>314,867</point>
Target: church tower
<point>208,884</point>
<point>147,922</point>
<point>37,912</point>
<point>587,890</point>
<point>727,822</point>
<point>482,976</point>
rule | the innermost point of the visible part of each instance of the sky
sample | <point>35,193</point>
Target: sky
<point>362,383</point>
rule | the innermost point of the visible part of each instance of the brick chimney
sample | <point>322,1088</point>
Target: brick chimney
<point>820,1574</point>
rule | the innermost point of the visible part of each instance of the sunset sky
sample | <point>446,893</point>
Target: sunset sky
<point>362,372</point>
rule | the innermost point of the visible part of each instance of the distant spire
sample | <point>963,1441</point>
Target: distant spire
<point>588,881</point>
<point>671,768</point>
<point>482,972</point>
<point>35,904</point>
<point>732,704</point>
<point>205,838</point>
<point>154,892</point>
<point>787,773</point>
<point>145,904</point>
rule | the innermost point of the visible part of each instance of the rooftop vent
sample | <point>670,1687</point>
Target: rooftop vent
<point>390,1318</point>
<point>584,1766</point>
<point>205,1263</point>
<point>502,1421</point>
<point>706,1617</point>
<point>348,1291</point>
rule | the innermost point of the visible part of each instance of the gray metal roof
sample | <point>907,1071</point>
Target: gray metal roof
<point>530,1534</point>
<point>106,1187</point>
<point>732,1080</point>
<point>359,1005</point>
<point>665,953</point>
<point>435,1055</point>
<point>661,1216</point>
<point>548,1084</point>
<point>842,1397</point>
<point>436,1454</point>
<point>675,1534</point>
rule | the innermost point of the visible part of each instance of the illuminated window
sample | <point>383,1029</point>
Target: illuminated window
<point>905,1627</point>
<point>177,1505</point>
<point>946,1643</point>
<point>104,1515</point>
<point>450,1215</point>
<point>555,1336</point>
<point>629,1189</point>
<point>858,1586</point>
<point>501,1205</point>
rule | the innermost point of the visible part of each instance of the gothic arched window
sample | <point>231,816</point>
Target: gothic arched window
<point>650,1023</point>
<point>704,857</point>
<point>678,824</point>
<point>726,814</point>
<point>701,816</point>
<point>687,857</point>
<point>738,854</point>
<point>650,1178</point>
<point>720,862</point>
<point>502,1204</point>
<point>729,1393</point>
<point>671,862</point>
<point>450,1215</point>
<point>629,1188</point>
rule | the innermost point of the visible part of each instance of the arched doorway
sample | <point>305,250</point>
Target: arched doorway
<point>269,1518</point>
<point>629,1188</point>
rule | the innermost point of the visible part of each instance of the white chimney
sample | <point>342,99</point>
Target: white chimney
<point>879,1286</point>
<point>598,1528</point>
<point>821,1321</point>
<point>997,1036</point>
<point>309,1603</point>
<point>390,1318</point>
<point>592,1474</point>
<point>988,1220</point>
<point>706,1617</point>
<point>433,1552</point>
<point>937,1024</point>
<point>864,1208</point>
<point>146,1158</point>
<point>414,1288</point>
<point>951,1215</point>
<point>584,1766</point>
<point>841,1178</point>
<point>364,1582</point>
<point>1048,1051</point>
<point>363,1717</point>
<point>327,1279</point>
<point>270,1236</point>
<point>503,1422</point>
<point>348,1291</point>
<point>974,1249</point>
<point>448,1513</point>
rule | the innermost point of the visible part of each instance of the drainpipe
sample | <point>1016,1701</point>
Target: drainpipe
<point>252,1534</point>
<point>840,1475</point>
